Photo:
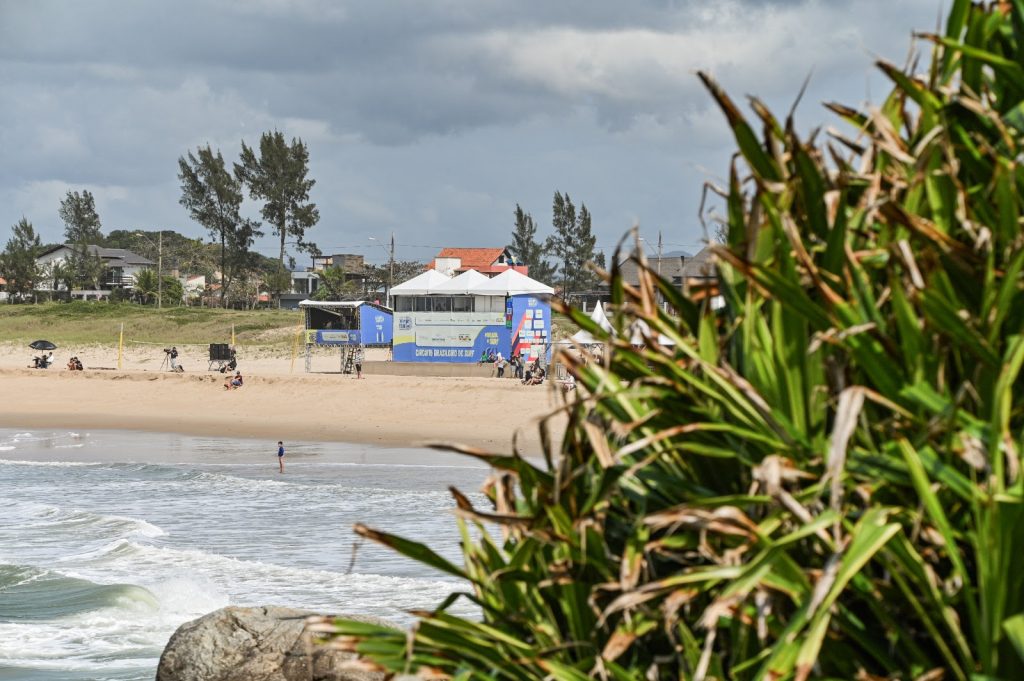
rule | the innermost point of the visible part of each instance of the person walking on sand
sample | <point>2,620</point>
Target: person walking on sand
<point>359,361</point>
<point>280,455</point>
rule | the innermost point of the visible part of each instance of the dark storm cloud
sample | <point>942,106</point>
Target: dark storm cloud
<point>440,115</point>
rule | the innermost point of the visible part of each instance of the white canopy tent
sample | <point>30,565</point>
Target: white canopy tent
<point>582,337</point>
<point>511,283</point>
<point>421,284</point>
<point>463,284</point>
<point>638,329</point>
<point>508,283</point>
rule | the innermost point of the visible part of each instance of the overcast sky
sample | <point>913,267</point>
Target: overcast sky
<point>427,119</point>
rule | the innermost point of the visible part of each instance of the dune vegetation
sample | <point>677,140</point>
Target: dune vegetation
<point>100,322</point>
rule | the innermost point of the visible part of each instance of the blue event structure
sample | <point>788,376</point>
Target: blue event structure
<point>344,323</point>
<point>458,320</point>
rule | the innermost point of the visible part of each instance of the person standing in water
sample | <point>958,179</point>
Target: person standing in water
<point>280,455</point>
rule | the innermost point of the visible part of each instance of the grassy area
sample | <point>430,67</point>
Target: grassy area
<point>92,322</point>
<point>98,322</point>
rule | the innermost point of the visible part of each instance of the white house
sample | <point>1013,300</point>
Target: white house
<point>122,266</point>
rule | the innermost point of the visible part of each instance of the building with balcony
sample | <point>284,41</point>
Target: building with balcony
<point>121,267</point>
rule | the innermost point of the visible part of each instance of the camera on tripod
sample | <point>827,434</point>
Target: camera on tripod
<point>167,351</point>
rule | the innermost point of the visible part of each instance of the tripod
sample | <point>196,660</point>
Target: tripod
<point>166,364</point>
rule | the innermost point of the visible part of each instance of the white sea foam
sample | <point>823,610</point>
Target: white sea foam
<point>58,464</point>
<point>199,536</point>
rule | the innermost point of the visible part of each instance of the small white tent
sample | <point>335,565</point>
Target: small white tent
<point>640,328</point>
<point>421,284</point>
<point>582,337</point>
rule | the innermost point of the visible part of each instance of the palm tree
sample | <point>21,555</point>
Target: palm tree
<point>146,286</point>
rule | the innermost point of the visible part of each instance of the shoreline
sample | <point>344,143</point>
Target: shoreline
<point>394,411</point>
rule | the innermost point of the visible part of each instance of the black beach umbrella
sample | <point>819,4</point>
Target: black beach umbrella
<point>42,345</point>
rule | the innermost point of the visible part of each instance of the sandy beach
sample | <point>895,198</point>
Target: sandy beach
<point>278,401</point>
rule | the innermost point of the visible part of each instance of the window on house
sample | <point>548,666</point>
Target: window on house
<point>442,304</point>
<point>462,304</point>
<point>422,304</point>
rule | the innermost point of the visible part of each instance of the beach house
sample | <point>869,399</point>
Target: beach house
<point>120,268</point>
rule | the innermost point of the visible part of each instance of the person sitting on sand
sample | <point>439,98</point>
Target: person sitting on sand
<point>232,363</point>
<point>536,376</point>
<point>235,382</point>
<point>532,371</point>
<point>42,362</point>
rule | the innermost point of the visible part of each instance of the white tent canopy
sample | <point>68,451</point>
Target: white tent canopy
<point>462,284</point>
<point>421,284</point>
<point>508,283</point>
<point>511,283</point>
<point>582,337</point>
<point>640,329</point>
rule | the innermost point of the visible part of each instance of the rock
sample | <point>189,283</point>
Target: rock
<point>253,644</point>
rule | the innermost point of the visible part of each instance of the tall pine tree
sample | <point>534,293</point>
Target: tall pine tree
<point>213,197</point>
<point>572,244</point>
<point>82,230</point>
<point>81,222</point>
<point>527,250</point>
<point>583,252</point>
<point>278,177</point>
<point>18,260</point>
<point>560,244</point>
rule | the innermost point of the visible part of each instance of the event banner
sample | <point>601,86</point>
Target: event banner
<point>331,337</point>
<point>523,326</point>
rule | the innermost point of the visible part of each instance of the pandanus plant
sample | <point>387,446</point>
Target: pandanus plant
<point>822,478</point>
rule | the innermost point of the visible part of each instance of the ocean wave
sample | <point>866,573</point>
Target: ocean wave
<point>53,622</point>
<point>35,594</point>
<point>54,521</point>
<point>338,494</point>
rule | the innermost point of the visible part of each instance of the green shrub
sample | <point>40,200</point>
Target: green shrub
<point>823,479</point>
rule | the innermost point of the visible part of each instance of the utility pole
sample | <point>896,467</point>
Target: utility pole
<point>159,269</point>
<point>659,252</point>
<point>391,271</point>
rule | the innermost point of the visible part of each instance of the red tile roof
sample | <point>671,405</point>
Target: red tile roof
<point>483,260</point>
<point>472,258</point>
